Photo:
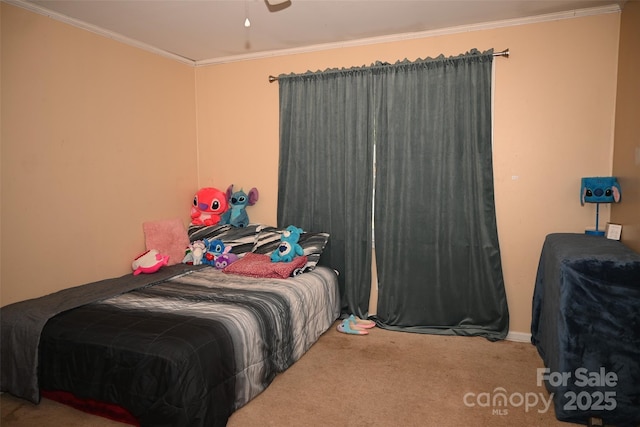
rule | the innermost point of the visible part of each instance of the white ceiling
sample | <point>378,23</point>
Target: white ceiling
<point>213,31</point>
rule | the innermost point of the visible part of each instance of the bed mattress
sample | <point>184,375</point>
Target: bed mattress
<point>190,349</point>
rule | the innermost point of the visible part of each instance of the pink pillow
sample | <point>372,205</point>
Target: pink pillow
<point>260,265</point>
<point>168,236</point>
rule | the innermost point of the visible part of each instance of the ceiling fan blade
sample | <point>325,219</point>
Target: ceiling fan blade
<point>277,5</point>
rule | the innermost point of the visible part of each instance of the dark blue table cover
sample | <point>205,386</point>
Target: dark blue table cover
<point>586,326</point>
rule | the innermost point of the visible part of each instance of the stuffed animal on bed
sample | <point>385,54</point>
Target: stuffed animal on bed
<point>197,251</point>
<point>288,248</point>
<point>224,260</point>
<point>213,248</point>
<point>149,262</point>
<point>218,254</point>
<point>208,206</point>
<point>238,202</point>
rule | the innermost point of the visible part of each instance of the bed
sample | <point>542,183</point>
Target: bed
<point>186,346</point>
<point>586,327</point>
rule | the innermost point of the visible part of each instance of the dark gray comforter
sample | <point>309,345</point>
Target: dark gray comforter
<point>23,321</point>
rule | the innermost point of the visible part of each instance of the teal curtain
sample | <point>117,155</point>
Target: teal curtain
<point>436,241</point>
<point>438,257</point>
<point>325,177</point>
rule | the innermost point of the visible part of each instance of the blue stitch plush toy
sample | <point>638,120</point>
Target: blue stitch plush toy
<point>213,249</point>
<point>216,253</point>
<point>288,248</point>
<point>238,202</point>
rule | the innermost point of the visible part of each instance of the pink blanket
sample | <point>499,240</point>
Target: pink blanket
<point>260,265</point>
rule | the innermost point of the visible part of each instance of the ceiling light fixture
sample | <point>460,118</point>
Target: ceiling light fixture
<point>247,23</point>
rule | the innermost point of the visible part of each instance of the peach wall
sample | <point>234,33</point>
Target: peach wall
<point>97,137</point>
<point>554,116</point>
<point>237,115</point>
<point>626,160</point>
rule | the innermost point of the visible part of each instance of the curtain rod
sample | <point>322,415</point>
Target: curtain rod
<point>504,53</point>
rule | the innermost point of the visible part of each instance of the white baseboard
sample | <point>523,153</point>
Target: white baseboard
<point>518,337</point>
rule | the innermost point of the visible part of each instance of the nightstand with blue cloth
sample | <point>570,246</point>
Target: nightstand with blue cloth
<point>586,327</point>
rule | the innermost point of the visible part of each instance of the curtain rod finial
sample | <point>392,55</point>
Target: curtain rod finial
<point>272,79</point>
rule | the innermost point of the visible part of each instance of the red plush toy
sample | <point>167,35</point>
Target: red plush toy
<point>208,206</point>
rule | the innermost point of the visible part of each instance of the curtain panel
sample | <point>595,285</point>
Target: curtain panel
<point>325,178</point>
<point>438,257</point>
<point>429,123</point>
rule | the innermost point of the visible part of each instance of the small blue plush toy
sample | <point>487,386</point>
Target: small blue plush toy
<point>289,247</point>
<point>214,248</point>
<point>238,202</point>
<point>217,254</point>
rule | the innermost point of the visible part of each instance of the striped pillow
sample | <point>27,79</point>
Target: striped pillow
<point>268,239</point>
<point>241,239</point>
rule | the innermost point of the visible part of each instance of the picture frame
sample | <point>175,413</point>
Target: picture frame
<point>613,231</point>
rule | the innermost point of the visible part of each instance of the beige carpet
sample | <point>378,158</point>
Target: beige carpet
<point>382,379</point>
